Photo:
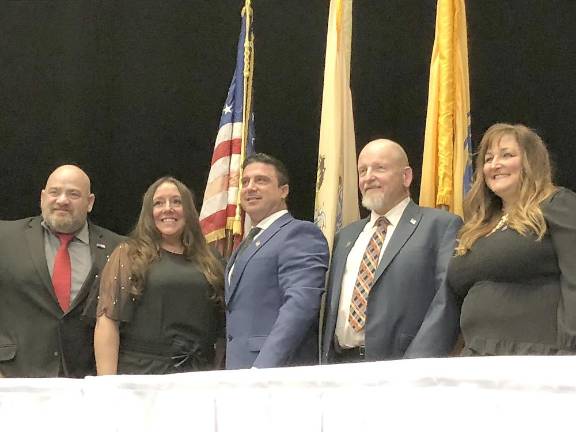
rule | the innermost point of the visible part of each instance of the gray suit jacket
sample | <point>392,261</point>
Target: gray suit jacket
<point>410,313</point>
<point>36,338</point>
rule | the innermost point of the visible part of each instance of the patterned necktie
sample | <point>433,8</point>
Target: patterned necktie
<point>365,279</point>
<point>62,272</point>
<point>246,242</point>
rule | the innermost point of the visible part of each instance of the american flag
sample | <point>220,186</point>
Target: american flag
<point>221,218</point>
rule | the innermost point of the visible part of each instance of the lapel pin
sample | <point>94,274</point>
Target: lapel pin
<point>100,246</point>
<point>257,243</point>
<point>348,244</point>
<point>413,221</point>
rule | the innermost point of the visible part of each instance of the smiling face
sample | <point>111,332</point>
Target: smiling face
<point>168,212</point>
<point>503,168</point>
<point>261,195</point>
<point>66,200</point>
<point>384,176</point>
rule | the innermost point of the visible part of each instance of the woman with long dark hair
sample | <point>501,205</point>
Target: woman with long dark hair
<point>161,293</point>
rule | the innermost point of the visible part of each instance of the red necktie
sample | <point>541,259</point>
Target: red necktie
<point>62,272</point>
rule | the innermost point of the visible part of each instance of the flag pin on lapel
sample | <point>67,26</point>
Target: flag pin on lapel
<point>100,246</point>
<point>348,244</point>
<point>413,221</point>
<point>257,243</point>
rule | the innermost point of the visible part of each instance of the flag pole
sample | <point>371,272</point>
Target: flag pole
<point>246,106</point>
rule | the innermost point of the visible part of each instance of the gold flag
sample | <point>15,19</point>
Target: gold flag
<point>446,163</point>
<point>336,202</point>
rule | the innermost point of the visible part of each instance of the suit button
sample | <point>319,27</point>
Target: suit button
<point>55,353</point>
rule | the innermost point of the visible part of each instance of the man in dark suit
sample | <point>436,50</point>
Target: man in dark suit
<point>48,267</point>
<point>275,280</point>
<point>386,296</point>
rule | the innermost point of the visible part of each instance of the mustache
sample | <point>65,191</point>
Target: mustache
<point>61,208</point>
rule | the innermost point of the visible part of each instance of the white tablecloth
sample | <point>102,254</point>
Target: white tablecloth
<point>470,394</point>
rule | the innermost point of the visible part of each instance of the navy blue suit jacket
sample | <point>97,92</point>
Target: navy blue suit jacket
<point>273,298</point>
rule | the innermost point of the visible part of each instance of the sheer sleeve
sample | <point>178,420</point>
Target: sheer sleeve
<point>560,211</point>
<point>116,299</point>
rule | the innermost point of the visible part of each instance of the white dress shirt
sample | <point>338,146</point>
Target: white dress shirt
<point>263,224</point>
<point>345,335</point>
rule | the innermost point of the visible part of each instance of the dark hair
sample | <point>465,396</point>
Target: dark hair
<point>281,171</point>
<point>145,240</point>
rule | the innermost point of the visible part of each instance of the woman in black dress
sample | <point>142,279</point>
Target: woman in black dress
<point>160,304</point>
<point>515,265</point>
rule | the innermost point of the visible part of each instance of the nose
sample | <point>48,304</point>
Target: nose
<point>250,184</point>
<point>167,205</point>
<point>368,174</point>
<point>495,162</point>
<point>62,198</point>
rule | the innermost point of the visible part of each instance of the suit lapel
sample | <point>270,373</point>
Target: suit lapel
<point>248,253</point>
<point>99,253</point>
<point>406,226</point>
<point>35,241</point>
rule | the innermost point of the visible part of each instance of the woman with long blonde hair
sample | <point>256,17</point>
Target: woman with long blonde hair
<point>160,308</point>
<point>515,268</point>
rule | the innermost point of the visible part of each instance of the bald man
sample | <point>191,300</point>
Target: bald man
<point>44,284</point>
<point>386,295</point>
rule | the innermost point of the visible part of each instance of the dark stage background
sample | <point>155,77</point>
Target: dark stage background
<point>131,90</point>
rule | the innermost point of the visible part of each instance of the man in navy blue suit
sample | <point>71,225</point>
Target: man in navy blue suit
<point>275,280</point>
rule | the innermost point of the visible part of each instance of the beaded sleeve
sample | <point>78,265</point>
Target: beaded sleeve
<point>116,298</point>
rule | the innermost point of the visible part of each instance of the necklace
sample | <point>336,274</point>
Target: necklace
<point>501,225</point>
<point>174,250</point>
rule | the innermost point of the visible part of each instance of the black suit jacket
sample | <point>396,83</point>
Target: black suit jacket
<point>411,312</point>
<point>36,338</point>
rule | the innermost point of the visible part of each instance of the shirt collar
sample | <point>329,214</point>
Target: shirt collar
<point>393,215</point>
<point>82,234</point>
<point>267,221</point>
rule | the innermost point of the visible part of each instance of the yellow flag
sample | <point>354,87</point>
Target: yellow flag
<point>446,164</point>
<point>337,179</point>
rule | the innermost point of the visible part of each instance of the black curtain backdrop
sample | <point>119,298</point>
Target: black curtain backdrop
<point>131,90</point>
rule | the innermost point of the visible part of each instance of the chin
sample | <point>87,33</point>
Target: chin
<point>373,202</point>
<point>63,224</point>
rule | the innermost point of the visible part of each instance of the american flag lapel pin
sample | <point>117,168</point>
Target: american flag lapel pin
<point>100,245</point>
<point>413,221</point>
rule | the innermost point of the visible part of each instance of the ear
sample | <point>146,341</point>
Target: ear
<point>407,176</point>
<point>91,199</point>
<point>284,189</point>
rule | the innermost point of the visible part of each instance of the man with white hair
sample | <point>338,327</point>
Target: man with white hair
<point>386,294</point>
<point>49,265</point>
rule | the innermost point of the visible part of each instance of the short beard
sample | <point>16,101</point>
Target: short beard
<point>66,225</point>
<point>374,202</point>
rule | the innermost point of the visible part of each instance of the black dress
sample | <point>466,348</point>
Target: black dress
<point>519,294</point>
<point>172,327</point>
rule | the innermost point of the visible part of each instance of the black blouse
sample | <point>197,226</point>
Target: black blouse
<point>172,326</point>
<point>518,293</point>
